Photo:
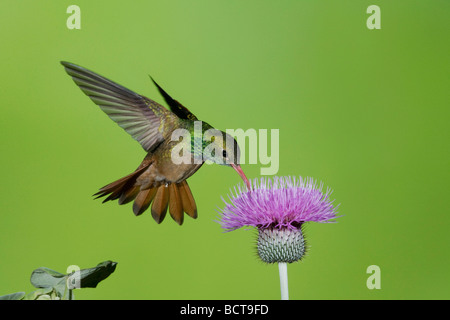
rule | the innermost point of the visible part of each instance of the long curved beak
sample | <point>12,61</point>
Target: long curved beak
<point>241,173</point>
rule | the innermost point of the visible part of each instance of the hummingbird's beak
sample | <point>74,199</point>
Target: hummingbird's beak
<point>238,169</point>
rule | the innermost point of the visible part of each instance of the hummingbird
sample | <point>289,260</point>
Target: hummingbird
<point>158,181</point>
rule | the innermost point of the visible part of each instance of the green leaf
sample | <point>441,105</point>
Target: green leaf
<point>39,294</point>
<point>62,284</point>
<point>48,278</point>
<point>45,278</point>
<point>13,296</point>
<point>91,277</point>
<point>53,285</point>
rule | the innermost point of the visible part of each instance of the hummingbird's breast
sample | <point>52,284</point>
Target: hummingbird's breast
<point>162,170</point>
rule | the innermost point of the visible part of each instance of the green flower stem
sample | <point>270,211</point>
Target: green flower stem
<point>282,268</point>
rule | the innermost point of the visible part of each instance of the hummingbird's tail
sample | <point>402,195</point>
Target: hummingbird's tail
<point>177,197</point>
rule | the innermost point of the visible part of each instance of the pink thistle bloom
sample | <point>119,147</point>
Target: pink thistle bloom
<point>278,207</point>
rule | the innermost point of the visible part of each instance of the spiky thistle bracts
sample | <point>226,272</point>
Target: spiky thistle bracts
<point>280,245</point>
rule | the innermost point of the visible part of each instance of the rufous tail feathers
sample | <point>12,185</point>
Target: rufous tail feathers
<point>177,197</point>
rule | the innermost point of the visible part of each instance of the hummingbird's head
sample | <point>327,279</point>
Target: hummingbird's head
<point>224,150</point>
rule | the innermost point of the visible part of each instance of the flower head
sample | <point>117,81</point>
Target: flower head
<point>278,208</point>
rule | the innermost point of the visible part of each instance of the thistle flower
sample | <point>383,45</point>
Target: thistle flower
<point>278,208</point>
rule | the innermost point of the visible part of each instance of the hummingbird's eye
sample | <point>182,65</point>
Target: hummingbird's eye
<point>224,153</point>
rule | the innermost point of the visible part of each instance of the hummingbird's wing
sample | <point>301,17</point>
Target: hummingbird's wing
<point>141,117</point>
<point>181,111</point>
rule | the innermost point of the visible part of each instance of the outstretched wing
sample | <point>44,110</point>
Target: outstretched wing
<point>141,117</point>
<point>181,111</point>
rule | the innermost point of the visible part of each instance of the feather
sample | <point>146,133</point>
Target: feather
<point>141,117</point>
<point>129,195</point>
<point>187,199</point>
<point>159,206</point>
<point>181,111</point>
<point>120,186</point>
<point>143,200</point>
<point>175,204</point>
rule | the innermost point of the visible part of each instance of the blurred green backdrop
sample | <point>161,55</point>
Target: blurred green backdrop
<point>364,111</point>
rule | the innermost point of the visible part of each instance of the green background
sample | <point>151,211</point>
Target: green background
<point>364,111</point>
